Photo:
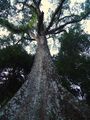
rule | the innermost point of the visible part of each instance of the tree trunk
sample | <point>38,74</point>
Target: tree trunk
<point>42,97</point>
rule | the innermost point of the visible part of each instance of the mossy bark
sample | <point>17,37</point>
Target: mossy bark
<point>42,97</point>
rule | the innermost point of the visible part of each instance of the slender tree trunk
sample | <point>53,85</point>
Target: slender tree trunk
<point>42,97</point>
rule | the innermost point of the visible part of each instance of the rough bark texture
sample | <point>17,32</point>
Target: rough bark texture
<point>42,97</point>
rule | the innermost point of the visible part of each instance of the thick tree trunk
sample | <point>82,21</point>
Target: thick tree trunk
<point>42,97</point>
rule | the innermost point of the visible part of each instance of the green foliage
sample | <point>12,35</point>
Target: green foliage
<point>13,56</point>
<point>71,61</point>
<point>33,19</point>
<point>17,63</point>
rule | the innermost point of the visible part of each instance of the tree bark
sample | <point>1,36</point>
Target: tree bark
<point>42,97</point>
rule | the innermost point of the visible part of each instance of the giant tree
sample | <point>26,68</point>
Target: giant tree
<point>42,97</point>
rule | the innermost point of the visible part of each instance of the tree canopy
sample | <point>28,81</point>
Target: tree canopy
<point>59,18</point>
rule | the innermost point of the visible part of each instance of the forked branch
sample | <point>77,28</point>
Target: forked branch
<point>76,19</point>
<point>58,9</point>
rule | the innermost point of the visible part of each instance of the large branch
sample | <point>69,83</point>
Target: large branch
<point>56,32</point>
<point>61,27</point>
<point>37,2</point>
<point>67,17</point>
<point>58,9</point>
<point>31,6</point>
<point>12,28</point>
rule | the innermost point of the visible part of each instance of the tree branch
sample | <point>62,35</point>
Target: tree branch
<point>13,28</point>
<point>56,32</point>
<point>32,6</point>
<point>68,16</point>
<point>23,37</point>
<point>75,20</point>
<point>30,33</point>
<point>59,8</point>
<point>37,3</point>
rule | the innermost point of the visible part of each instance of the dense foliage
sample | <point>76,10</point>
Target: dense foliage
<point>73,61</point>
<point>15,64</point>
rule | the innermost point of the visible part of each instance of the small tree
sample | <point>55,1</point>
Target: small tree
<point>42,97</point>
